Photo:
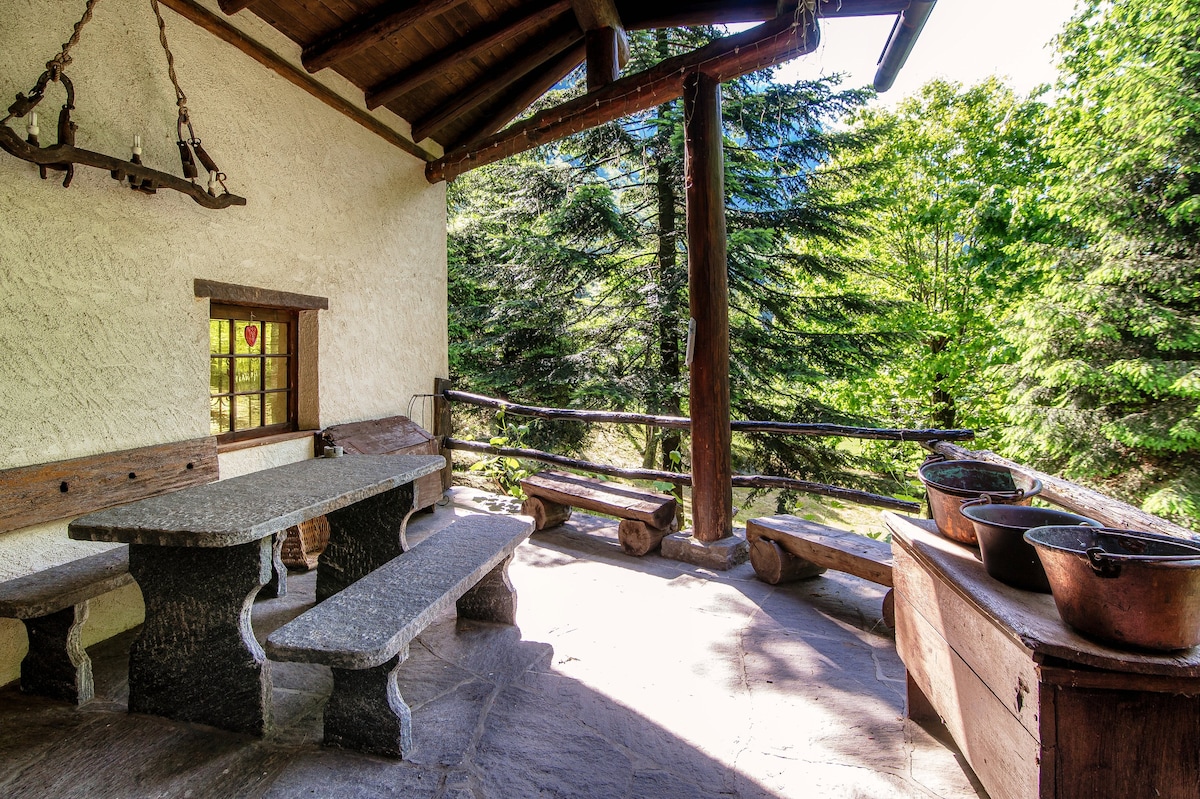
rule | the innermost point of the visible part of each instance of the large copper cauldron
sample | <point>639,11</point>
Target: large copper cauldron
<point>1123,587</point>
<point>949,484</point>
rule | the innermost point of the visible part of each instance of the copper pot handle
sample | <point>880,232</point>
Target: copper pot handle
<point>1101,564</point>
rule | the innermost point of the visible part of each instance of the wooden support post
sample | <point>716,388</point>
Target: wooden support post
<point>708,287</point>
<point>602,60</point>
<point>443,428</point>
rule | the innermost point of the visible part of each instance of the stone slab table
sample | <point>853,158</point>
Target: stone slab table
<point>201,554</point>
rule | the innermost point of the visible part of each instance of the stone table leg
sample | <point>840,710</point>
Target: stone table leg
<point>493,598</point>
<point>366,713</point>
<point>363,537</point>
<point>276,587</point>
<point>196,658</point>
<point>56,665</point>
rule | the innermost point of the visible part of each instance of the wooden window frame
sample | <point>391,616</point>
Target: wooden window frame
<point>291,317</point>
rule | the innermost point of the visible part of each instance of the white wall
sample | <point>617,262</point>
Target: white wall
<point>103,345</point>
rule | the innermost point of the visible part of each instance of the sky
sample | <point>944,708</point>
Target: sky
<point>963,40</point>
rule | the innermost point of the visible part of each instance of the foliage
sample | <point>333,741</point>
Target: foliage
<point>958,192</point>
<point>1108,382</point>
<point>508,472</point>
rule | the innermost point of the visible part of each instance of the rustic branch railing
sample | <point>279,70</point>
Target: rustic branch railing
<point>683,423</point>
<point>680,478</point>
<point>448,395</point>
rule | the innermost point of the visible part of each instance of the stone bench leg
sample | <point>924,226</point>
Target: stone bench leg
<point>366,713</point>
<point>492,599</point>
<point>57,665</point>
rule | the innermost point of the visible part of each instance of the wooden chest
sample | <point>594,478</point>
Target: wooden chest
<point>393,435</point>
<point>1038,711</point>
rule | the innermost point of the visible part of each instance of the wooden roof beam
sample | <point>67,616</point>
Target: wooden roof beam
<point>596,15</point>
<point>766,45</point>
<point>234,6</point>
<point>642,14</point>
<point>506,28</point>
<point>543,80</point>
<point>368,30</point>
<point>563,36</point>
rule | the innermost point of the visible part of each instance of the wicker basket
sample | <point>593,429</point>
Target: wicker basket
<point>305,542</point>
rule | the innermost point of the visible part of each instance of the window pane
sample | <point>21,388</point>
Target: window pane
<point>277,373</point>
<point>274,338</point>
<point>276,408</point>
<point>247,412</point>
<point>247,374</point>
<point>219,415</point>
<point>240,343</point>
<point>218,375</point>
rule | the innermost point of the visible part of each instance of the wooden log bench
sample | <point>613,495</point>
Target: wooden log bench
<point>786,548</point>
<point>53,604</point>
<point>647,517</point>
<point>363,631</point>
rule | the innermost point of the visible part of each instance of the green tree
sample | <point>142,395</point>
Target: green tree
<point>959,189</point>
<point>1108,383</point>
<point>590,239</point>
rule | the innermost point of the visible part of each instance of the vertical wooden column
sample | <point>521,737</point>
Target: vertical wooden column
<point>708,286</point>
<point>443,427</point>
<point>603,65</point>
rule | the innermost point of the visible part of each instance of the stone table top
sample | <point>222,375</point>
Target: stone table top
<point>254,506</point>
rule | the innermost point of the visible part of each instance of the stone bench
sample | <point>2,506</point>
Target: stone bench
<point>53,604</point>
<point>786,548</point>
<point>363,631</point>
<point>647,517</point>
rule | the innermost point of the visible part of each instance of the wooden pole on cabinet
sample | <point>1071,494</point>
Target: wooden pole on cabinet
<point>708,288</point>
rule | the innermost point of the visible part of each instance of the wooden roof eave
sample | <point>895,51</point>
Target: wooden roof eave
<point>773,42</point>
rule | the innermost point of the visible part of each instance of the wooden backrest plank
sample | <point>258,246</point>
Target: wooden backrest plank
<point>391,435</point>
<point>48,491</point>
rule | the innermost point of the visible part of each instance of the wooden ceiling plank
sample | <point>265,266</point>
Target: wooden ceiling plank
<point>542,82</point>
<point>563,37</point>
<point>486,38</point>
<point>369,30</point>
<point>766,45</point>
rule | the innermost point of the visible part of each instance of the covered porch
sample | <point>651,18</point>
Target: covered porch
<point>622,678</point>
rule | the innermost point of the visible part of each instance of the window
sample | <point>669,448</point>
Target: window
<point>253,365</point>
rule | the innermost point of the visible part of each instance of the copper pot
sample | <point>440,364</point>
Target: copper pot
<point>949,484</point>
<point>1007,556</point>
<point>1123,587</point>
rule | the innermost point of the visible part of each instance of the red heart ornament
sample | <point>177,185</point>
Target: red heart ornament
<point>251,334</point>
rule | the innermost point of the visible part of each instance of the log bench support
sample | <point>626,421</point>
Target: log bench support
<point>363,632</point>
<point>787,548</point>
<point>647,517</point>
<point>53,604</point>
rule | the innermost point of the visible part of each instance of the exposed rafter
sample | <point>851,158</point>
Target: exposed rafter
<point>642,14</point>
<point>594,15</point>
<point>234,6</point>
<point>564,36</point>
<point>603,58</point>
<point>484,39</point>
<point>369,30</point>
<point>771,43</point>
<point>541,82</point>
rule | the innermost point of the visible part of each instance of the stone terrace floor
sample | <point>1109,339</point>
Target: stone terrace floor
<point>637,678</point>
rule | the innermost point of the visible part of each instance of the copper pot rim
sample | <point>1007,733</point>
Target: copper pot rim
<point>1036,537</point>
<point>1035,485</point>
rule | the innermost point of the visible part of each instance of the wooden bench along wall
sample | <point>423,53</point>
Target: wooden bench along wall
<point>393,435</point>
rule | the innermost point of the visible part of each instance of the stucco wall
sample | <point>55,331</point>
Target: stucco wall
<point>103,345</point>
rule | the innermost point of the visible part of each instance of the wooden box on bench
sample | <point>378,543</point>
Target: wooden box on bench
<point>393,435</point>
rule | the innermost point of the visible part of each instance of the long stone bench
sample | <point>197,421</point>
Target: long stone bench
<point>363,631</point>
<point>786,548</point>
<point>53,604</point>
<point>647,517</point>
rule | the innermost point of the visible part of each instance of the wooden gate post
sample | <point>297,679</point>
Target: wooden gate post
<point>443,427</point>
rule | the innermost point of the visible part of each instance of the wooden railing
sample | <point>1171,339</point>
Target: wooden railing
<point>446,396</point>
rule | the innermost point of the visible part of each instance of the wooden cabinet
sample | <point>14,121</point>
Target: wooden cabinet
<point>1038,711</point>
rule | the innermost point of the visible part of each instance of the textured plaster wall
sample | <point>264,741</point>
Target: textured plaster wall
<point>103,345</point>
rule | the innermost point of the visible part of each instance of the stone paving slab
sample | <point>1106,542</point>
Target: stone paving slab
<point>626,678</point>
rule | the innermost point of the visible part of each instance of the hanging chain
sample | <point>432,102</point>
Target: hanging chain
<point>54,70</point>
